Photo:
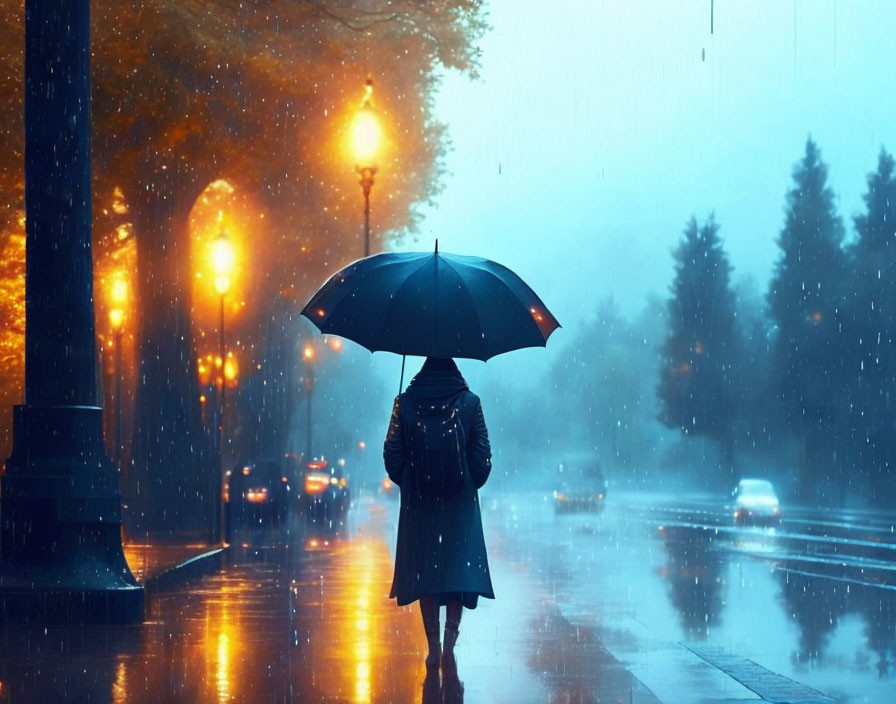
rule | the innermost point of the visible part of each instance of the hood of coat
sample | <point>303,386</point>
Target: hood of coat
<point>437,378</point>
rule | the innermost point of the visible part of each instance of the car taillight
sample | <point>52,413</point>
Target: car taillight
<point>257,496</point>
<point>316,483</point>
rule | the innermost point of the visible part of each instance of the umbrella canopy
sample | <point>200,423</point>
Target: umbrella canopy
<point>431,304</point>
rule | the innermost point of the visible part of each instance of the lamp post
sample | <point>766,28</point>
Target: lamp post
<point>308,356</point>
<point>223,260</point>
<point>61,558</point>
<point>365,143</point>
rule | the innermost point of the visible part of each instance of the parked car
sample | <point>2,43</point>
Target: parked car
<point>756,503</point>
<point>256,494</point>
<point>325,494</point>
<point>581,485</point>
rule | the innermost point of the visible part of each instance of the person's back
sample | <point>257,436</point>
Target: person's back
<point>440,556</point>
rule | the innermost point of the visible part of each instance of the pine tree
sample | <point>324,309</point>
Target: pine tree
<point>872,329</point>
<point>805,302</point>
<point>696,386</point>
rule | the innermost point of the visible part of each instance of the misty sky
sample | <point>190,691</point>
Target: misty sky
<point>597,129</point>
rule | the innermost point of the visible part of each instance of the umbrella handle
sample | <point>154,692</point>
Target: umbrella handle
<point>401,382</point>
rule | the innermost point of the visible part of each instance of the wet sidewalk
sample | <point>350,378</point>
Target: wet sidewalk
<point>305,618</point>
<point>517,648</point>
<point>293,617</point>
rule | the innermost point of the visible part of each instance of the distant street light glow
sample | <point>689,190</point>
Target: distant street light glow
<point>116,318</point>
<point>230,369</point>
<point>119,291</point>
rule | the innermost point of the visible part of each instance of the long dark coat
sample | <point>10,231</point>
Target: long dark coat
<point>441,548</point>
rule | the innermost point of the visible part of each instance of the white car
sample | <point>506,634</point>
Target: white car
<point>756,503</point>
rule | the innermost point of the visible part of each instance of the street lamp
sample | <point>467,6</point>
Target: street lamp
<point>223,260</point>
<point>365,136</point>
<point>309,354</point>
<point>118,297</point>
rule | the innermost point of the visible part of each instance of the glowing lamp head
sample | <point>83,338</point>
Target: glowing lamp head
<point>223,261</point>
<point>366,135</point>
<point>116,318</point>
<point>308,353</point>
<point>366,132</point>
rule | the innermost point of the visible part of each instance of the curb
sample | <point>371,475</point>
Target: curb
<point>199,566</point>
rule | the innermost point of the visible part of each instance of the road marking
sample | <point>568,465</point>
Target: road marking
<point>770,686</point>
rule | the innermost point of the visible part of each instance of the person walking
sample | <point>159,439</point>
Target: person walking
<point>437,451</point>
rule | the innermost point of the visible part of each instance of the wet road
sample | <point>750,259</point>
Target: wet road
<point>650,595</point>
<point>687,600</point>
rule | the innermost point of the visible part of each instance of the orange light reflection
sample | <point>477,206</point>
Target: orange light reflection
<point>119,686</point>
<point>365,636</point>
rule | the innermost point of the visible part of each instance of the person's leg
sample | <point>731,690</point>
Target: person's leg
<point>429,610</point>
<point>453,611</point>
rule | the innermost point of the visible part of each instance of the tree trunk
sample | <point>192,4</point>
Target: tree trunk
<point>171,459</point>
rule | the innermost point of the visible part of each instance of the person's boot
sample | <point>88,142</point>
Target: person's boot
<point>434,657</point>
<point>452,628</point>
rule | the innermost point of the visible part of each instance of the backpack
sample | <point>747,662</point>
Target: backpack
<point>439,447</point>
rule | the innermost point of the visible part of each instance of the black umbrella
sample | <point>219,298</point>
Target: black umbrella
<point>431,304</point>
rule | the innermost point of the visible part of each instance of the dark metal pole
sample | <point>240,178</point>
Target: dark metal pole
<point>218,499</point>
<point>367,222</point>
<point>309,388</point>
<point>367,174</point>
<point>223,376</point>
<point>118,385</point>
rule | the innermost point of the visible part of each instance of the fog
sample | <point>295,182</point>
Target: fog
<point>687,495</point>
<point>596,130</point>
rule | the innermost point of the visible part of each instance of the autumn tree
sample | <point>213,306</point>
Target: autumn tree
<point>191,92</point>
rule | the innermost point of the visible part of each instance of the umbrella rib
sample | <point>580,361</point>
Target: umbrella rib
<point>528,288</point>
<point>513,278</point>
<point>403,284</point>
<point>373,266</point>
<point>472,300</point>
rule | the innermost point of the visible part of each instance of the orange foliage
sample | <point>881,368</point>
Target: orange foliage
<point>12,330</point>
<point>259,94</point>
